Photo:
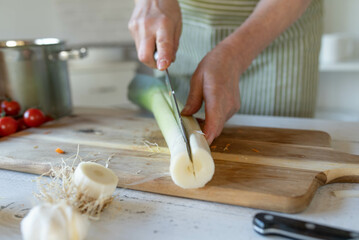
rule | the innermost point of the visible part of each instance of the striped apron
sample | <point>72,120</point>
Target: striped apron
<point>281,81</point>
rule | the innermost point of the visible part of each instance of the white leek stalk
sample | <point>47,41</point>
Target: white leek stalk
<point>54,222</point>
<point>151,94</point>
<point>94,180</point>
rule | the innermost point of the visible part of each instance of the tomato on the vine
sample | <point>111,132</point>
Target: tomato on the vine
<point>34,117</point>
<point>11,108</point>
<point>8,126</point>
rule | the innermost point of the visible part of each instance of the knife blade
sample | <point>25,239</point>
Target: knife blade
<point>176,110</point>
<point>270,224</point>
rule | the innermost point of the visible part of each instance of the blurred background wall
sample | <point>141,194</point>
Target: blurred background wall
<point>77,21</point>
<point>103,25</point>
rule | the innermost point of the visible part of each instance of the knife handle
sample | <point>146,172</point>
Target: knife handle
<point>269,224</point>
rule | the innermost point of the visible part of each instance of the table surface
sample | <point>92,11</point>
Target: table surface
<point>141,215</point>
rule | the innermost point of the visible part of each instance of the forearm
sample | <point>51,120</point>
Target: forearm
<point>269,19</point>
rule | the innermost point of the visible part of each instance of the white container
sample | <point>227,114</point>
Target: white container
<point>337,47</point>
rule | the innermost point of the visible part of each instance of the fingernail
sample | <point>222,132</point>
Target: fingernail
<point>162,64</point>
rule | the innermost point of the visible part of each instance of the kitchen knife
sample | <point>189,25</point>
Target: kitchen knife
<point>269,224</point>
<point>176,110</point>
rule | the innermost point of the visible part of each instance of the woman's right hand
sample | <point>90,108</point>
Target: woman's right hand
<point>156,25</point>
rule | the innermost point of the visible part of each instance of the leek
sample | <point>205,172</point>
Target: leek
<point>151,94</point>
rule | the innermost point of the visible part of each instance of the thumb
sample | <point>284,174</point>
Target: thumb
<point>195,96</point>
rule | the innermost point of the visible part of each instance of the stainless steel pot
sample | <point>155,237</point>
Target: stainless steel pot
<point>35,74</point>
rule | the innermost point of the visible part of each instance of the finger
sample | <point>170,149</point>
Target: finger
<point>234,108</point>
<point>195,96</point>
<point>146,50</point>
<point>165,42</point>
<point>234,103</point>
<point>212,128</point>
<point>133,27</point>
<point>200,123</point>
<point>215,119</point>
<point>137,44</point>
<point>147,45</point>
<point>177,40</point>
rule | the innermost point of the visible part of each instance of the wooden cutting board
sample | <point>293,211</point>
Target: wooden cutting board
<point>267,168</point>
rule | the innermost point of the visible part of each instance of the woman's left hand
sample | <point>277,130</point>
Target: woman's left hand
<point>216,82</point>
<point>217,76</point>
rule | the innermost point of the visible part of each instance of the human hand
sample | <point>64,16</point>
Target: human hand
<point>216,81</point>
<point>156,24</point>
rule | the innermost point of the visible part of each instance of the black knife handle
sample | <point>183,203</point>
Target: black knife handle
<point>269,224</point>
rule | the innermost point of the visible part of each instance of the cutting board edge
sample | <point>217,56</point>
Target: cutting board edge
<point>291,205</point>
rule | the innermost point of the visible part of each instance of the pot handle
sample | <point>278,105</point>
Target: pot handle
<point>70,54</point>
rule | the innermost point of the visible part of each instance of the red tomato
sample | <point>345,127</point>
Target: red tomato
<point>34,117</point>
<point>8,126</point>
<point>21,124</point>
<point>11,108</point>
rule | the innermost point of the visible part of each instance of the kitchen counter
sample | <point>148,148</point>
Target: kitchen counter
<point>141,215</point>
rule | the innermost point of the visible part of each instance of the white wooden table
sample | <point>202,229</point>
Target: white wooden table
<point>140,215</point>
